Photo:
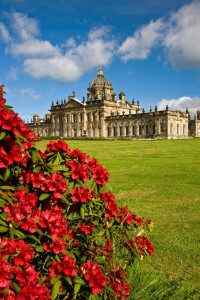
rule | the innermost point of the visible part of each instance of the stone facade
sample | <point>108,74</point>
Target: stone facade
<point>102,115</point>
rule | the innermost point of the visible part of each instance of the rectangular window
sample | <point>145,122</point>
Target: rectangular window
<point>177,129</point>
<point>140,129</point>
<point>147,129</point>
<point>114,131</point>
<point>161,127</point>
<point>133,130</point>
<point>120,131</point>
<point>154,129</point>
<point>108,131</point>
<point>127,131</point>
<point>171,128</point>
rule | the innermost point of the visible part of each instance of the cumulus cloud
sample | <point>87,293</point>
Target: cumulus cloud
<point>24,27</point>
<point>29,93</point>
<point>33,47</point>
<point>141,43</point>
<point>65,63</point>
<point>182,38</point>
<point>178,36</point>
<point>181,104</point>
<point>71,65</point>
<point>4,34</point>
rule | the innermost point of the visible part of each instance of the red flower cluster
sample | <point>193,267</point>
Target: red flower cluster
<point>142,244</point>
<point>93,273</point>
<point>112,207</point>
<point>18,272</point>
<point>67,266</point>
<point>82,195</point>
<point>57,146</point>
<point>60,233</point>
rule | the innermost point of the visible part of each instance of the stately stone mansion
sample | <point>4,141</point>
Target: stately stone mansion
<point>102,115</point>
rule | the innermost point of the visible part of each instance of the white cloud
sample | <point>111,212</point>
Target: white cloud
<point>12,73</point>
<point>178,36</point>
<point>70,43</point>
<point>24,27</point>
<point>71,65</point>
<point>141,43</point>
<point>192,103</point>
<point>33,47</point>
<point>182,38</point>
<point>29,93</point>
<point>65,63</point>
<point>4,33</point>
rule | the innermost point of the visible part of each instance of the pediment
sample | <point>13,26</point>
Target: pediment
<point>72,103</point>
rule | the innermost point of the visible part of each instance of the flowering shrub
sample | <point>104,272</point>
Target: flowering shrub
<point>62,235</point>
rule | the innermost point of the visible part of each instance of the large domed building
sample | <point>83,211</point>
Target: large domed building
<point>103,115</point>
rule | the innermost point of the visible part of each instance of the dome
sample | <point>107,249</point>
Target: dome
<point>100,80</point>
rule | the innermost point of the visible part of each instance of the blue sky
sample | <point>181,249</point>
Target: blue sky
<point>149,49</point>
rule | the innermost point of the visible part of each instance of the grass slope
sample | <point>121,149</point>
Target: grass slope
<point>161,180</point>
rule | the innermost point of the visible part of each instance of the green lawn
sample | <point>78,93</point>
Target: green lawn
<point>160,180</point>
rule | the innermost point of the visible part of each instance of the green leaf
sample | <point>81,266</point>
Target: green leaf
<point>79,281</point>
<point>6,187</point>
<point>22,138</point>
<point>16,287</point>
<point>64,199</point>
<point>82,212</point>
<point>34,239</point>
<point>55,290</point>
<point>101,260</point>
<point>11,233</point>
<point>99,241</point>
<point>2,135</point>
<point>5,292</point>
<point>34,155</point>
<point>57,258</point>
<point>39,249</point>
<point>6,175</point>
<point>42,280</point>
<point>68,280</point>
<point>77,287</point>
<point>19,234</point>
<point>3,223</point>
<point>36,169</point>
<point>54,279</point>
<point>19,143</point>
<point>2,203</point>
<point>3,229</point>
<point>4,216</point>
<point>44,196</point>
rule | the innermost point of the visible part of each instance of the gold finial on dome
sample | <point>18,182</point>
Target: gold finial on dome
<point>100,72</point>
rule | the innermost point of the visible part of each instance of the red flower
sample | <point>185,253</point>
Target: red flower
<point>55,269</point>
<point>93,273</point>
<point>78,171</point>
<point>112,208</point>
<point>86,228</point>
<point>69,266</point>
<point>82,195</point>
<point>59,145</point>
<point>5,273</point>
<point>129,217</point>
<point>57,246</point>
<point>120,289</point>
<point>142,244</point>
